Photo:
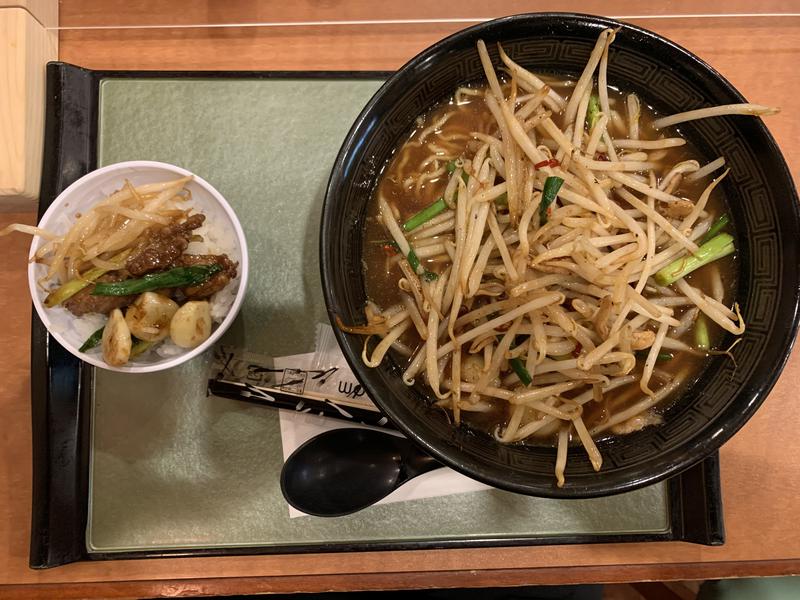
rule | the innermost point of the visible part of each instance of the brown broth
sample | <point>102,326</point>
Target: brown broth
<point>382,272</point>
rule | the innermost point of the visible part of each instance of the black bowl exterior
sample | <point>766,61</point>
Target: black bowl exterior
<point>759,192</point>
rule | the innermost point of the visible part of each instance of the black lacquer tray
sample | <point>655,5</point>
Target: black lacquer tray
<point>96,117</point>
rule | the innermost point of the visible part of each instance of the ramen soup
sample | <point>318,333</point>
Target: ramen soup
<point>551,260</point>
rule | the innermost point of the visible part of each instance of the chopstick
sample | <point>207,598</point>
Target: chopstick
<point>278,398</point>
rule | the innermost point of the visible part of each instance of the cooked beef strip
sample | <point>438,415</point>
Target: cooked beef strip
<point>216,282</point>
<point>83,302</point>
<point>163,247</point>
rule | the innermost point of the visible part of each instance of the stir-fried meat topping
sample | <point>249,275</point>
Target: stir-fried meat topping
<point>84,303</point>
<point>162,248</point>
<point>217,281</point>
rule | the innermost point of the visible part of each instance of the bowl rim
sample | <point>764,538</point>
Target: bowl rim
<point>241,240</point>
<point>672,461</point>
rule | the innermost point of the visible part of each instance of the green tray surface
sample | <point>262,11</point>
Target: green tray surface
<point>172,468</point>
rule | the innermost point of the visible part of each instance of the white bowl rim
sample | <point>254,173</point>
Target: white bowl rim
<point>55,206</point>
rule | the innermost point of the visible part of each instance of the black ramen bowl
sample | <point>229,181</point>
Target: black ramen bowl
<point>761,199</point>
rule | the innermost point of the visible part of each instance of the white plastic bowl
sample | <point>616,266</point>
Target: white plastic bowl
<point>95,186</point>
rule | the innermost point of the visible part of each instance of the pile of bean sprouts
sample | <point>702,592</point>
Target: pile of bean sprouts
<point>543,298</point>
<point>101,236</point>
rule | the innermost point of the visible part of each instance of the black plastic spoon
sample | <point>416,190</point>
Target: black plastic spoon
<point>346,470</point>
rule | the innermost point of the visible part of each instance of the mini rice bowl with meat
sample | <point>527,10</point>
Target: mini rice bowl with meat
<point>219,235</point>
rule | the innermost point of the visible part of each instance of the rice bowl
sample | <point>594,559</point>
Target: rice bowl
<point>221,233</point>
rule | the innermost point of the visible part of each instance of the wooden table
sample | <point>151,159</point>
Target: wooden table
<point>760,474</point>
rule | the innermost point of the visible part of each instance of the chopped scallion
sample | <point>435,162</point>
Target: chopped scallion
<point>715,228</point>
<point>177,277</point>
<point>551,187</point>
<point>140,347</point>
<point>712,250</point>
<point>519,368</point>
<point>93,340</point>
<point>701,339</point>
<point>593,111</point>
<point>72,287</point>
<point>425,215</point>
<point>413,260</point>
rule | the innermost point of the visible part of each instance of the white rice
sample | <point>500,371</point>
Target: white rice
<point>166,349</point>
<point>87,324</point>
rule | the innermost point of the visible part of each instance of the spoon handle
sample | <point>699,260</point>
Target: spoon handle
<point>416,462</point>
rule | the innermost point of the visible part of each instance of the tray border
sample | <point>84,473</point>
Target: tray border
<point>61,426</point>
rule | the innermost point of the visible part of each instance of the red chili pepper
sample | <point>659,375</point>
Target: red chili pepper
<point>577,352</point>
<point>389,250</point>
<point>551,162</point>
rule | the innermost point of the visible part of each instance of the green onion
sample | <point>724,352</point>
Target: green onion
<point>593,111</point>
<point>177,277</point>
<point>73,286</point>
<point>93,340</point>
<point>452,166</point>
<point>502,199</point>
<point>701,339</point>
<point>660,357</point>
<point>413,260</point>
<point>519,368</point>
<point>551,187</point>
<point>140,347</point>
<point>713,249</point>
<point>718,226</point>
<point>425,215</point>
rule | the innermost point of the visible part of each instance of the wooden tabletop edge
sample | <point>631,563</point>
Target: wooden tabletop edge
<point>398,581</point>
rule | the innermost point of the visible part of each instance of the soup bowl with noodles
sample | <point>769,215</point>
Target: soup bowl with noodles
<point>560,254</point>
